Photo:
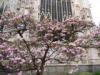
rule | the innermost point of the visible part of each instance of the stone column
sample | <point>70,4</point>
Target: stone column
<point>36,10</point>
<point>93,56</point>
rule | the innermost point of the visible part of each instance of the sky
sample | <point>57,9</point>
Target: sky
<point>95,9</point>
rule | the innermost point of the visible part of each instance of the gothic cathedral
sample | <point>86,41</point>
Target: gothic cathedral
<point>55,9</point>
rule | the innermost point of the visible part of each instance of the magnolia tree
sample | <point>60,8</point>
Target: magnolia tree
<point>51,42</point>
<point>91,38</point>
<point>96,36</point>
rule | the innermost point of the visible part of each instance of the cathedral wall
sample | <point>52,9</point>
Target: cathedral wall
<point>80,8</point>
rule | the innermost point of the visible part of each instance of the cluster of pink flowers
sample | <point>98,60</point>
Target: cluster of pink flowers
<point>12,58</point>
<point>62,31</point>
<point>96,36</point>
<point>72,52</point>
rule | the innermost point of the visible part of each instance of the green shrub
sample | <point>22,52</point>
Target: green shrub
<point>85,73</point>
<point>97,73</point>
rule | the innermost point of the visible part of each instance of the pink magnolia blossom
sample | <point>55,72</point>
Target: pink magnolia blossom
<point>51,40</point>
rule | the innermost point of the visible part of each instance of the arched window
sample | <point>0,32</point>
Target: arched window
<point>58,9</point>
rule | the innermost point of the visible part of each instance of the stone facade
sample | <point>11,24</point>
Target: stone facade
<point>80,8</point>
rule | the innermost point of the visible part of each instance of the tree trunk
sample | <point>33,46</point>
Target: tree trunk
<point>37,73</point>
<point>40,72</point>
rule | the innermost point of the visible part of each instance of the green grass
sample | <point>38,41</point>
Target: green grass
<point>85,73</point>
<point>88,73</point>
<point>97,73</point>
